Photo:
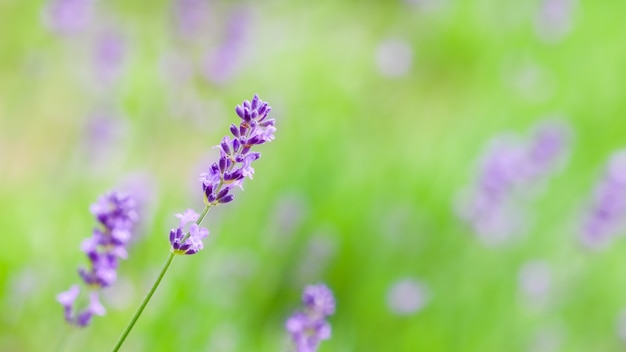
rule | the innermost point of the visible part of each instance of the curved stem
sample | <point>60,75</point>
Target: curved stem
<point>132,322</point>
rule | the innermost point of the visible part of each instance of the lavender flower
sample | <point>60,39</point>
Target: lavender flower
<point>608,207</point>
<point>309,327</point>
<point>220,64</point>
<point>116,214</point>
<point>407,296</point>
<point>68,16</point>
<point>235,156</point>
<point>234,165</point>
<point>109,53</point>
<point>191,244</point>
<point>512,168</point>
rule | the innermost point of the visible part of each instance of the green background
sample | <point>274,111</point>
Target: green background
<point>365,167</point>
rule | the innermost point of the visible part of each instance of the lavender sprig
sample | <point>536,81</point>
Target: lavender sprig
<point>116,213</point>
<point>233,166</point>
<point>309,327</point>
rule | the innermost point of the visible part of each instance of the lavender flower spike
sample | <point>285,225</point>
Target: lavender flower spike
<point>234,165</point>
<point>309,327</point>
<point>117,216</point>
<point>236,158</point>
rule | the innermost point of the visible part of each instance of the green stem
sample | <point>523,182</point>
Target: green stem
<point>145,301</point>
<point>63,338</point>
<point>204,212</point>
<point>132,322</point>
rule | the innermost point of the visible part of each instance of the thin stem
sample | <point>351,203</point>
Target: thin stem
<point>62,339</point>
<point>132,322</point>
<point>204,212</point>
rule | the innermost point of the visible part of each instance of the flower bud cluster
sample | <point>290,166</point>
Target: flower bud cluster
<point>309,327</point>
<point>117,216</point>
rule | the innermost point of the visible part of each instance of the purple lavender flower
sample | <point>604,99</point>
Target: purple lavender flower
<point>116,214</point>
<point>220,64</point>
<point>554,20</point>
<point>510,171</point>
<point>68,16</point>
<point>407,296</point>
<point>234,165</point>
<point>191,244</point>
<point>83,318</point>
<point>190,16</point>
<point>309,327</point>
<point>109,53</point>
<point>235,155</point>
<point>608,207</point>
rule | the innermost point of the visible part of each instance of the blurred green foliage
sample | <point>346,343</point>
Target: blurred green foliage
<point>364,167</point>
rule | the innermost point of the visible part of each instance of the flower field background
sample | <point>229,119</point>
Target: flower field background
<point>406,173</point>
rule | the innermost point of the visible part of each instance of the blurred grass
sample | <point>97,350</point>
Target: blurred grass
<point>375,163</point>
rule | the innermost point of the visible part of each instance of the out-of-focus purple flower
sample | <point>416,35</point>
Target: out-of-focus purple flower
<point>109,54</point>
<point>554,20</point>
<point>116,214</point>
<point>221,62</point>
<point>394,58</point>
<point>190,16</point>
<point>68,16</point>
<point>607,211</point>
<point>191,242</point>
<point>511,169</point>
<point>535,279</point>
<point>309,327</point>
<point>407,296</point>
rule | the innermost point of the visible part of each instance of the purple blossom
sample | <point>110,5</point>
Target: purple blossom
<point>109,53</point>
<point>221,63</point>
<point>83,318</point>
<point>188,243</point>
<point>554,19</point>
<point>233,167</point>
<point>511,170</point>
<point>116,214</point>
<point>68,16</point>
<point>607,209</point>
<point>407,296</point>
<point>236,156</point>
<point>309,327</point>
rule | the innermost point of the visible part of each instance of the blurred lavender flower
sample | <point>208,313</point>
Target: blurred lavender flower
<point>512,168</point>
<point>108,55</point>
<point>190,16</point>
<point>607,210</point>
<point>394,58</point>
<point>220,64</point>
<point>535,279</point>
<point>68,16</point>
<point>554,20</point>
<point>116,214</point>
<point>309,327</point>
<point>407,296</point>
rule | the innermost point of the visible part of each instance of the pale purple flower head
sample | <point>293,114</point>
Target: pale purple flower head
<point>188,242</point>
<point>68,16</point>
<point>511,171</point>
<point>607,211</point>
<point>407,296</point>
<point>309,327</point>
<point>221,63</point>
<point>109,53</point>
<point>116,214</point>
